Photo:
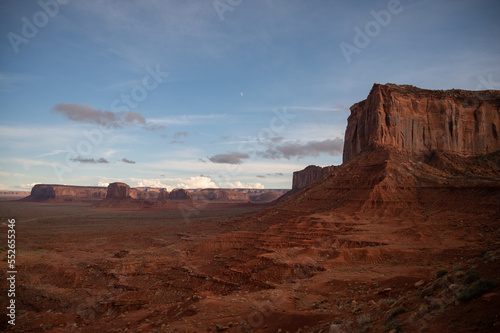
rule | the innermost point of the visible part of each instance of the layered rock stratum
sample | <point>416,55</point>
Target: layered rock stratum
<point>220,195</point>
<point>44,192</point>
<point>303,178</point>
<point>118,191</point>
<point>424,121</point>
<point>122,191</point>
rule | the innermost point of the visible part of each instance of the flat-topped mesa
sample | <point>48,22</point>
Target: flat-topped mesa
<point>147,193</point>
<point>304,178</point>
<point>220,195</point>
<point>179,194</point>
<point>43,192</point>
<point>422,121</point>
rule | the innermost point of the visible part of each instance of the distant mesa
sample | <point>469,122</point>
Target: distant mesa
<point>146,193</point>
<point>268,196</point>
<point>224,195</point>
<point>65,193</point>
<point>120,194</point>
<point>221,195</point>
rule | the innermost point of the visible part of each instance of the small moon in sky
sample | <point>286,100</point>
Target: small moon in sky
<point>241,93</point>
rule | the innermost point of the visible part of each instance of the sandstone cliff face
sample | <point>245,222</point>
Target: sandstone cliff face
<point>179,194</point>
<point>43,192</point>
<point>163,194</point>
<point>119,191</point>
<point>266,196</point>
<point>146,193</point>
<point>220,195</point>
<point>422,121</point>
<point>304,178</point>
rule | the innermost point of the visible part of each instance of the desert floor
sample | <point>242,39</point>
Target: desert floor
<point>213,267</point>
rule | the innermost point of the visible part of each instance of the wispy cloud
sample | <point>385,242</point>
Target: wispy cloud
<point>87,114</point>
<point>80,159</point>
<point>28,187</point>
<point>9,82</point>
<point>178,135</point>
<point>121,28</point>
<point>55,152</point>
<point>300,150</point>
<point>27,163</point>
<point>229,158</point>
<point>37,132</point>
<point>124,84</point>
<point>316,108</point>
<point>185,119</point>
<point>125,160</point>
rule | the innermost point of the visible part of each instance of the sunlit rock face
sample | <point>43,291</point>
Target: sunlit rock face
<point>304,178</point>
<point>423,121</point>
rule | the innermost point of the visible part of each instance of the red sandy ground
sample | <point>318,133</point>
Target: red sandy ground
<point>337,257</point>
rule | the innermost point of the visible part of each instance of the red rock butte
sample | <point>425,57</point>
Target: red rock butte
<point>422,121</point>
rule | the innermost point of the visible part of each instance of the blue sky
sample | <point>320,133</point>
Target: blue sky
<point>224,93</point>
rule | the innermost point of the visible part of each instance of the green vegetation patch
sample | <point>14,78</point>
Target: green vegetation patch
<point>476,289</point>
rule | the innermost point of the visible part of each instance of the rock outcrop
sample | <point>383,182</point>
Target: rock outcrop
<point>146,193</point>
<point>266,196</point>
<point>424,121</point>
<point>220,195</point>
<point>118,191</point>
<point>65,193</point>
<point>304,178</point>
<point>179,194</point>
<point>121,196</point>
<point>163,195</point>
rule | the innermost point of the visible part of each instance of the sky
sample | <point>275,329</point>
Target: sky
<point>215,93</point>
